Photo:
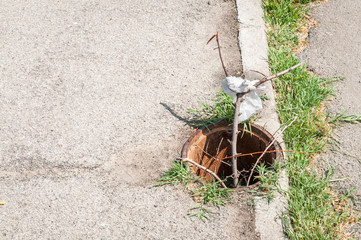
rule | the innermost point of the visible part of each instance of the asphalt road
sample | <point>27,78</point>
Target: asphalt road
<point>93,96</point>
<point>334,51</point>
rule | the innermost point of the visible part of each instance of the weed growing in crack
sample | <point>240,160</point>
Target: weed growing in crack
<point>199,212</point>
<point>264,97</point>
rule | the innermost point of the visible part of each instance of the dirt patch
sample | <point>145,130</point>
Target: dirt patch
<point>240,225</point>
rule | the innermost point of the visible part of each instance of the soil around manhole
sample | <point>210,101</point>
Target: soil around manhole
<point>210,147</point>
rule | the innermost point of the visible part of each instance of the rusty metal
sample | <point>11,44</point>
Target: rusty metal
<point>204,148</point>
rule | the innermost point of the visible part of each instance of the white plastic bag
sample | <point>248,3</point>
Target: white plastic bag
<point>251,104</point>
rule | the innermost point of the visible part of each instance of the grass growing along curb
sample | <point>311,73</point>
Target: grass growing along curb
<point>313,212</point>
<point>205,194</point>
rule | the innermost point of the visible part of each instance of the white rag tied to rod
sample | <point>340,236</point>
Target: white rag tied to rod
<point>252,103</point>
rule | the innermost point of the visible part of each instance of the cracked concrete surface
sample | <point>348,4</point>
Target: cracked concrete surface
<point>85,93</point>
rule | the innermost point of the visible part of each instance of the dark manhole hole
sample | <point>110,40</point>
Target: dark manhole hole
<point>207,146</point>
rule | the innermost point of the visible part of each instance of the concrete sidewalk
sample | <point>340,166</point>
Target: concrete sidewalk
<point>93,96</point>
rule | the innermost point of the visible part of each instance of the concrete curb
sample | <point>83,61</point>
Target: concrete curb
<point>253,46</point>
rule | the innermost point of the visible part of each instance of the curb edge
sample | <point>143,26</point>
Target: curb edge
<point>253,45</point>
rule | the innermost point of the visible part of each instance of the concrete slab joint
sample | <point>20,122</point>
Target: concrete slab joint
<point>253,46</point>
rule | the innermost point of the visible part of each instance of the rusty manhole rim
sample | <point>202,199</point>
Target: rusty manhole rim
<point>278,155</point>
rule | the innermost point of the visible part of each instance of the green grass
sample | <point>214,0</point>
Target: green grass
<point>205,194</point>
<point>212,194</point>
<point>200,212</point>
<point>179,174</point>
<point>220,109</point>
<point>209,194</point>
<point>268,179</point>
<point>312,213</point>
<point>341,117</point>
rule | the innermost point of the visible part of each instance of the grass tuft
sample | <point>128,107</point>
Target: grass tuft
<point>268,178</point>
<point>212,194</point>
<point>179,174</point>
<point>220,109</point>
<point>199,212</point>
<point>341,117</point>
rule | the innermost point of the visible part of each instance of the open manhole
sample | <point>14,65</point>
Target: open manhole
<point>211,146</point>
